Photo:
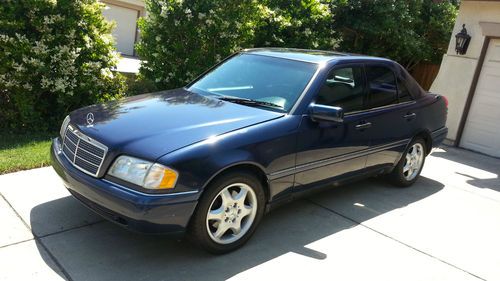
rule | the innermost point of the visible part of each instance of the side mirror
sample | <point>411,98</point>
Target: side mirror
<point>326,113</point>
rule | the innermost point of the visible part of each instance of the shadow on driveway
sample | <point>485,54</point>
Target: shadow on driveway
<point>103,251</point>
<point>485,172</point>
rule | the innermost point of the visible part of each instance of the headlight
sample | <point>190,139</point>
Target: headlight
<point>144,173</point>
<point>63,126</point>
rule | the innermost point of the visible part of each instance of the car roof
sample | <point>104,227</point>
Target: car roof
<point>311,56</point>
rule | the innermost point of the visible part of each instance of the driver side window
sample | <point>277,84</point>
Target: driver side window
<point>343,88</point>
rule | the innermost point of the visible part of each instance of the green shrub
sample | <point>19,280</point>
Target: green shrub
<point>406,31</point>
<point>137,86</point>
<point>295,24</point>
<point>55,55</point>
<point>179,39</point>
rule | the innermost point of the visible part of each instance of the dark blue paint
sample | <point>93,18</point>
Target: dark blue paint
<point>201,137</point>
<point>141,212</point>
<point>149,126</point>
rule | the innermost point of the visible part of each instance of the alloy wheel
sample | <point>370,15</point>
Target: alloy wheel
<point>231,213</point>
<point>413,162</point>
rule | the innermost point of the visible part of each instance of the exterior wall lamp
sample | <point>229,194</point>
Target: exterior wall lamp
<point>462,41</point>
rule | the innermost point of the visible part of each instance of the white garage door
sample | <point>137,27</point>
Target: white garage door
<point>126,24</point>
<point>482,129</point>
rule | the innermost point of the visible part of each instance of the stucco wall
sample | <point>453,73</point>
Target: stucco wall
<point>139,3</point>
<point>456,71</point>
<point>132,4</point>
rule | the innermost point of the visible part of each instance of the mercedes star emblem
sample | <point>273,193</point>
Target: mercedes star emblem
<point>90,118</point>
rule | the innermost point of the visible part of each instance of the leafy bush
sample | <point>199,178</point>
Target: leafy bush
<point>295,24</point>
<point>179,39</point>
<point>406,31</point>
<point>182,38</point>
<point>54,56</point>
<point>137,86</point>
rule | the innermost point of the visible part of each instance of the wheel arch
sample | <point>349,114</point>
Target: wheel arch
<point>426,136</point>
<point>249,166</point>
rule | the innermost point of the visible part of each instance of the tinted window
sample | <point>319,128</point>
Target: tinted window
<point>404,94</point>
<point>343,88</point>
<point>270,79</point>
<point>382,83</point>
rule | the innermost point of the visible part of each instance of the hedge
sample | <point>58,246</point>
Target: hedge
<point>54,56</point>
<point>180,39</point>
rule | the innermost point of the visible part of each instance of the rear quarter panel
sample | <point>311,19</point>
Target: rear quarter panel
<point>432,112</point>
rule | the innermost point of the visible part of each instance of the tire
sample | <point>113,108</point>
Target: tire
<point>223,208</point>
<point>404,175</point>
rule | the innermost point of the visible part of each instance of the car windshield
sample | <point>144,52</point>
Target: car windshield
<point>273,83</point>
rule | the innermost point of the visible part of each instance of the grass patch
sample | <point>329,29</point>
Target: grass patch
<point>22,152</point>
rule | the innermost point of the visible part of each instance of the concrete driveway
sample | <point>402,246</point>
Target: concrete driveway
<point>445,227</point>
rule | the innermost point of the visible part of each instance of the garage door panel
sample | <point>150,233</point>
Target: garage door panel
<point>482,128</point>
<point>489,99</point>
<point>490,81</point>
<point>482,143</point>
<point>487,107</point>
<point>494,49</point>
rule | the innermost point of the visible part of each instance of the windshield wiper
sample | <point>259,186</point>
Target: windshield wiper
<point>250,102</point>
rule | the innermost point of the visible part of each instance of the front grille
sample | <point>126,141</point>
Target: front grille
<point>83,152</point>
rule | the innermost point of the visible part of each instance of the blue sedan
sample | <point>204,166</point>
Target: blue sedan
<point>259,129</point>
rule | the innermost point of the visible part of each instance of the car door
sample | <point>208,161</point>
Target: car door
<point>328,149</point>
<point>390,111</point>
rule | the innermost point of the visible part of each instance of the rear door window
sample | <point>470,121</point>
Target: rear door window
<point>382,86</point>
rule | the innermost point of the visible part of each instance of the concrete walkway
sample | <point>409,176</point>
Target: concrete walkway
<point>446,227</point>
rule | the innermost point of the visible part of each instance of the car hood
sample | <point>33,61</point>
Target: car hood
<point>152,125</point>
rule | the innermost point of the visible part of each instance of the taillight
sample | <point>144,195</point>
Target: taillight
<point>445,101</point>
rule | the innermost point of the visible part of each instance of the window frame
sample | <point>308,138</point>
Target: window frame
<point>391,69</point>
<point>367,110</point>
<point>366,91</point>
<point>364,83</point>
<point>403,81</point>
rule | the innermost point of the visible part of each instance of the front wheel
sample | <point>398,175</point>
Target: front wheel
<point>228,212</point>
<point>409,167</point>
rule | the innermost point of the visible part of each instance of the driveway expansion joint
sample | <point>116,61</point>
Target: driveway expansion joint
<point>15,212</point>
<point>15,243</point>
<point>69,229</point>
<point>392,238</point>
<point>38,241</point>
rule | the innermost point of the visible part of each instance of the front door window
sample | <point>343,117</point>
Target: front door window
<point>343,88</point>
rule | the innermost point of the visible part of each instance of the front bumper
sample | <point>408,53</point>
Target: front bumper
<point>149,213</point>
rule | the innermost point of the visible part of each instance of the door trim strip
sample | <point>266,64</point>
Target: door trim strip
<point>336,159</point>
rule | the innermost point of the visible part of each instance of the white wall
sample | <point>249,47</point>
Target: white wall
<point>125,27</point>
<point>125,14</point>
<point>456,72</point>
<point>133,2</point>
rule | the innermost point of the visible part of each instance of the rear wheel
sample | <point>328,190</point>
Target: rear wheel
<point>409,167</point>
<point>228,212</point>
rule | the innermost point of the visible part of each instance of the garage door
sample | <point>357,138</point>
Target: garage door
<point>482,128</point>
<point>126,25</point>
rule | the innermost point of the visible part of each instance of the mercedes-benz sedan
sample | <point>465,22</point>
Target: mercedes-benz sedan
<point>256,130</point>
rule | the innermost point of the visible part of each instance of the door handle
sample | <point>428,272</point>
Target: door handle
<point>363,126</point>
<point>410,115</point>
